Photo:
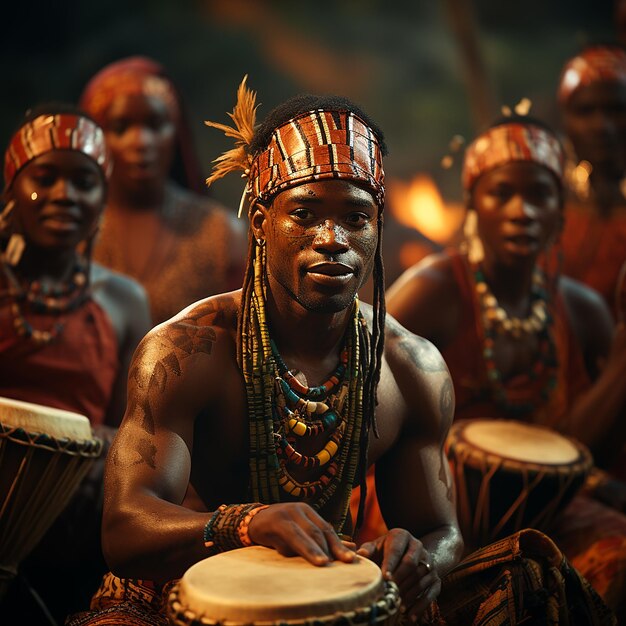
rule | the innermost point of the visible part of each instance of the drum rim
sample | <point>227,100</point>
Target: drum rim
<point>384,607</point>
<point>84,447</point>
<point>456,444</point>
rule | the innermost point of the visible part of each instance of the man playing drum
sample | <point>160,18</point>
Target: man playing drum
<point>266,395</point>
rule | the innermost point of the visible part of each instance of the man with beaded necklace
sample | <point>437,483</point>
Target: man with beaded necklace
<point>232,401</point>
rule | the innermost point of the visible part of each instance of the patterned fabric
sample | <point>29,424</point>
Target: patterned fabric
<point>594,64</point>
<point>76,373</point>
<point>318,145</point>
<point>521,579</point>
<point>45,133</point>
<point>511,142</point>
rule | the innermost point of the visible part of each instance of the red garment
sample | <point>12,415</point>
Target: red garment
<point>464,357</point>
<point>75,372</point>
<point>594,250</point>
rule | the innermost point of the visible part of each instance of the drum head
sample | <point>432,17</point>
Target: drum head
<point>256,584</point>
<point>520,442</point>
<point>36,418</point>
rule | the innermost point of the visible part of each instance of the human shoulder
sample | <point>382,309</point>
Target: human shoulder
<point>422,378</point>
<point>118,286</point>
<point>425,299</point>
<point>191,351</point>
<point>588,314</point>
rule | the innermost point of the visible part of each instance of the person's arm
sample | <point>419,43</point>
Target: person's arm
<point>414,486</point>
<point>594,417</point>
<point>146,532</point>
<point>178,370</point>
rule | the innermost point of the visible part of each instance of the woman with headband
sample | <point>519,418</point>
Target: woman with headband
<point>179,245</point>
<point>521,342</point>
<point>68,327</point>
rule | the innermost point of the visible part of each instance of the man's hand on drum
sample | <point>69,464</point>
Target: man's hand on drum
<point>295,529</point>
<point>403,559</point>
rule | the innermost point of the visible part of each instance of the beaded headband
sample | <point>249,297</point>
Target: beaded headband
<point>63,131</point>
<point>595,64</point>
<point>114,82</point>
<point>315,145</point>
<point>511,142</point>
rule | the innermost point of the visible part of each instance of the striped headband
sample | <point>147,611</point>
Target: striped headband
<point>318,145</point>
<point>511,142</point>
<point>595,64</point>
<point>63,131</point>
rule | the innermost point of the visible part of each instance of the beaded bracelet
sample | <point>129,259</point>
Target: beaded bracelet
<point>244,526</point>
<point>222,532</point>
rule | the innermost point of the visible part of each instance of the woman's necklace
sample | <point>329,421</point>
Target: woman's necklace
<point>42,299</point>
<point>539,323</point>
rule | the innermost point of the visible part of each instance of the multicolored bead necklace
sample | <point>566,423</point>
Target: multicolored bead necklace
<point>539,323</point>
<point>302,411</point>
<point>43,300</point>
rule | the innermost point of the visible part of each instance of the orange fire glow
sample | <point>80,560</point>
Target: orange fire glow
<point>418,204</point>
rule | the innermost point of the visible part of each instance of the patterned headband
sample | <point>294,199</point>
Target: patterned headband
<point>104,88</point>
<point>596,64</point>
<point>511,142</point>
<point>64,131</point>
<point>316,145</point>
<point>319,145</point>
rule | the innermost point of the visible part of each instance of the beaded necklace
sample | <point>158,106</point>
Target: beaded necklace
<point>280,413</point>
<point>41,299</point>
<point>539,323</point>
<point>302,411</point>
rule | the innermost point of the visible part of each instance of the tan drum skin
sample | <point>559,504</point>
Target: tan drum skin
<point>257,585</point>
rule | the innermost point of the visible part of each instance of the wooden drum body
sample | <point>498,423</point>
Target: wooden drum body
<point>44,454</point>
<point>511,475</point>
<point>257,585</point>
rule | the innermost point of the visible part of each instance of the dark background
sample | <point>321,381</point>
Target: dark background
<point>399,59</point>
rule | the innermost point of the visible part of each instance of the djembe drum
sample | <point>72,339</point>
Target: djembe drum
<point>511,475</point>
<point>44,454</point>
<point>257,585</point>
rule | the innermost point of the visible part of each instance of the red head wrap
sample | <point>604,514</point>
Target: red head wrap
<point>135,75</point>
<point>510,142</point>
<point>63,131</point>
<point>595,64</point>
<point>319,145</point>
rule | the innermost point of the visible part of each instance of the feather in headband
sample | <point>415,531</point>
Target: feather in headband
<point>237,158</point>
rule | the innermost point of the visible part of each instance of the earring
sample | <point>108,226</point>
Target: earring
<point>4,216</point>
<point>473,244</point>
<point>260,242</point>
<point>15,249</point>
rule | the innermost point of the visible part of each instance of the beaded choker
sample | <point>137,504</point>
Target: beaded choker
<point>301,412</point>
<point>42,300</point>
<point>538,323</point>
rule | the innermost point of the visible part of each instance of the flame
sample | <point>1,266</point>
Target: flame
<point>418,204</point>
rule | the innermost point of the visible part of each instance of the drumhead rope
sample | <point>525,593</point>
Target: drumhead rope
<point>44,454</point>
<point>510,475</point>
<point>257,585</point>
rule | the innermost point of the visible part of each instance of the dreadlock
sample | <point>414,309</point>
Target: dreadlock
<point>254,351</point>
